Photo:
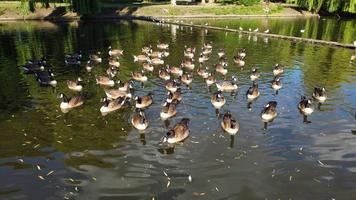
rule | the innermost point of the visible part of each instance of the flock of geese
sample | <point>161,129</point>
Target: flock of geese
<point>174,77</point>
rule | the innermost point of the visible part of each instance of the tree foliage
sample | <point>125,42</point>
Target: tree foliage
<point>330,6</point>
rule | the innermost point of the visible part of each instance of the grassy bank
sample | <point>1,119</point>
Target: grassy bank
<point>13,10</point>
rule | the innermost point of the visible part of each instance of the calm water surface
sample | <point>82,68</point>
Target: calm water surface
<point>83,155</point>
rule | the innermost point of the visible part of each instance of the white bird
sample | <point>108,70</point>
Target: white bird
<point>240,28</point>
<point>355,43</point>
<point>256,30</point>
<point>206,24</point>
<point>226,26</point>
<point>266,31</point>
<point>250,29</point>
<point>302,31</point>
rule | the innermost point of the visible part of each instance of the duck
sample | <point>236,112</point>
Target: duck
<point>117,93</point>
<point>178,133</point>
<point>276,83</point>
<point>162,46</point>
<point>227,86</point>
<point>189,49</point>
<point>114,62</point>
<point>112,105</point>
<point>218,100</point>
<point>164,74</point>
<point>156,61</point>
<point>155,54</point>
<point>187,78</point>
<point>96,57</point>
<point>71,102</point>
<point>105,81</point>
<point>229,124</point>
<point>221,53</point>
<point>177,95</point>
<point>46,77</point>
<point>115,52</point>
<point>139,76</point>
<point>305,106</point>
<point>144,101</point>
<point>171,85</point>
<point>169,109</point>
<point>75,85</point>
<point>269,112</point>
<point>140,58</point>
<point>165,53</point>
<point>239,61</point>
<point>320,94</point>
<point>208,45</point>
<point>278,69</point>
<point>252,92</point>
<point>210,80</point>
<point>148,67</point>
<point>221,69</point>
<point>203,72</point>
<point>188,64</point>
<point>206,52</point>
<point>139,120</point>
<point>254,74</point>
<point>188,54</point>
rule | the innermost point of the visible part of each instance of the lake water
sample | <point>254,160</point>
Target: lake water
<point>45,154</point>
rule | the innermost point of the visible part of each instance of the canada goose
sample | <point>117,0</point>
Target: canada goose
<point>111,71</point>
<point>115,52</point>
<point>203,58</point>
<point>187,78</point>
<point>117,93</point>
<point>171,85</point>
<point>148,67</point>
<point>46,77</point>
<point>112,105</point>
<point>89,66</point>
<point>114,62</point>
<point>75,85</point>
<point>73,59</point>
<point>252,93</point>
<point>203,72</point>
<point>146,50</point>
<point>189,49</point>
<point>105,81</point>
<point>96,57</point>
<point>221,53</point>
<point>188,54</point>
<point>178,133</point>
<point>221,69</point>
<point>140,58</point>
<point>218,100</point>
<point>239,61</point>
<point>254,74</point>
<point>175,70</point>
<point>165,53</point>
<point>208,45</point>
<point>77,55</point>
<point>241,53</point>
<point>144,101</point>
<point>305,106</point>
<point>276,83</point>
<point>210,80</point>
<point>278,69</point>
<point>269,112</point>
<point>169,109</point>
<point>164,74</point>
<point>71,102</point>
<point>139,76</point>
<point>188,64</point>
<point>156,61</point>
<point>177,95</point>
<point>155,54</point>
<point>126,87</point>
<point>229,124</point>
<point>139,120</point>
<point>228,86</point>
<point>206,52</point>
<point>319,94</point>
<point>162,46</point>
<point>33,66</point>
